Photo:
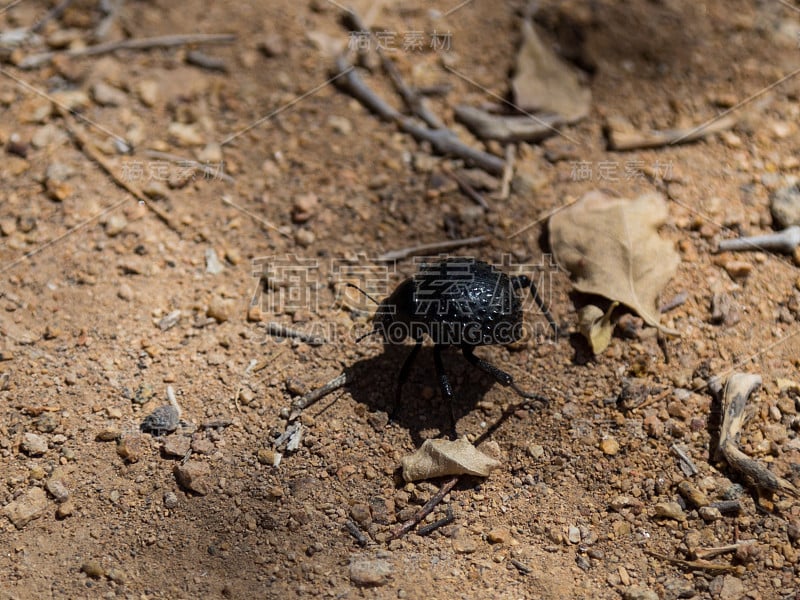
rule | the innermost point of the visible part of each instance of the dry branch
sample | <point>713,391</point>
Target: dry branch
<point>33,61</point>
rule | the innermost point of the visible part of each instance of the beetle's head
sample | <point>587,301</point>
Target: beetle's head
<point>392,319</point>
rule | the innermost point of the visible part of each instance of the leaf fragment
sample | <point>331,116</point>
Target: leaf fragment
<point>437,458</point>
<point>596,326</point>
<point>611,247</point>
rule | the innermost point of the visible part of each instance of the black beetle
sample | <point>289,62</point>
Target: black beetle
<point>456,302</point>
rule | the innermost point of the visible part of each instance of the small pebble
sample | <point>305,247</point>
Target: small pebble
<point>370,573</point>
<point>118,576</point>
<point>639,592</point>
<point>125,292</point>
<point>213,265</point>
<point>58,490</point>
<point>670,510</point>
<point>574,535</point>
<point>184,134</point>
<point>131,447</point>
<point>29,506</point>
<point>109,434</point>
<point>360,513</point>
<point>33,445</point>
<point>738,269</point>
<point>219,309</point>
<point>107,95</point>
<point>463,541</point>
<point>193,476</point>
<point>170,500</point>
<point>176,445</point>
<point>115,224</point>
<point>499,535</point>
<point>65,510</point>
<point>709,514</point>
<point>93,569</point>
<point>304,237</point>
<point>609,446</point>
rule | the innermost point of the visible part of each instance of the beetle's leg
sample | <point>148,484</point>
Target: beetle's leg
<point>501,376</point>
<point>444,385</point>
<point>521,281</point>
<point>404,371</point>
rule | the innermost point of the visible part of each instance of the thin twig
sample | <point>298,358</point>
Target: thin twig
<point>701,565</point>
<point>636,140</point>
<point>205,61</point>
<point>353,530</point>
<point>86,146</point>
<point>53,13</point>
<point>278,330</point>
<point>465,187</point>
<point>425,510</point>
<point>444,141</point>
<point>446,520</point>
<point>784,241</point>
<point>413,101</point>
<point>315,395</point>
<point>424,249</point>
<point>521,567</point>
<point>167,41</point>
<point>706,553</point>
<point>508,172</point>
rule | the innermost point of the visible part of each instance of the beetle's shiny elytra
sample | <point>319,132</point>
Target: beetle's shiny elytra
<point>456,302</point>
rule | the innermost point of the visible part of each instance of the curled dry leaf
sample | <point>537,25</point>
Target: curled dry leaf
<point>611,247</point>
<point>546,83</point>
<point>596,326</point>
<point>437,458</point>
<point>738,389</point>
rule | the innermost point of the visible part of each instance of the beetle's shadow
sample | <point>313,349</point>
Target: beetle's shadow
<point>373,382</point>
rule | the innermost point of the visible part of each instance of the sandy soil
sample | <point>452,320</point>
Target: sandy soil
<point>314,188</point>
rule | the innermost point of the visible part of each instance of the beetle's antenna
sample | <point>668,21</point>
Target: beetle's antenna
<point>369,333</point>
<point>353,285</point>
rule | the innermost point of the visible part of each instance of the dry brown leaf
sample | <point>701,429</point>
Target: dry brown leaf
<point>437,458</point>
<point>544,82</point>
<point>611,247</point>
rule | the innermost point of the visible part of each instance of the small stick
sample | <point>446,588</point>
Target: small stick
<point>86,146</point>
<point>204,61</point>
<point>353,530</point>
<point>444,141</point>
<point>167,41</point>
<point>676,301</point>
<point>635,140</point>
<point>706,553</point>
<point>446,520</point>
<point>521,567</point>
<point>727,507</point>
<point>425,510</point>
<point>465,187</point>
<point>413,101</point>
<point>508,172</point>
<point>310,398</point>
<point>428,248</point>
<point>685,459</point>
<point>282,331</point>
<point>781,241</point>
<point>702,565</point>
<point>53,13</point>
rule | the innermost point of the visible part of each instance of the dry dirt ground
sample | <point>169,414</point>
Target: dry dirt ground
<point>314,187</point>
